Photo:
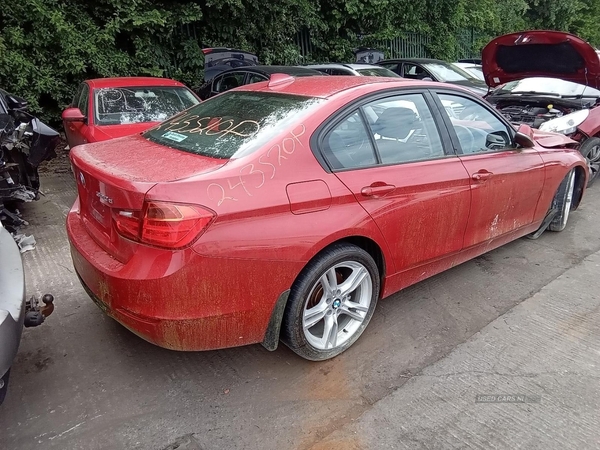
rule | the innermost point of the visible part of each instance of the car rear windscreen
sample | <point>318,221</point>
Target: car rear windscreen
<point>232,124</point>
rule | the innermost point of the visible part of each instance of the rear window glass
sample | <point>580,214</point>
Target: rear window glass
<point>232,124</point>
<point>125,105</point>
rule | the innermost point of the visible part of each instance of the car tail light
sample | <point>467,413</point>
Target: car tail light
<point>162,224</point>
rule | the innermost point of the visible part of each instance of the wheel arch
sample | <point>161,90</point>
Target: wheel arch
<point>580,183</point>
<point>272,333</point>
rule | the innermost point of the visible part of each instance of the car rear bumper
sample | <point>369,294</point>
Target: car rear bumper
<point>180,300</point>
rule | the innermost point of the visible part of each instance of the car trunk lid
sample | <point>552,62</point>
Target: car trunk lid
<point>114,176</point>
<point>527,54</point>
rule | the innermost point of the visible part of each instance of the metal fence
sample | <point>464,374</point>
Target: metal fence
<point>406,45</point>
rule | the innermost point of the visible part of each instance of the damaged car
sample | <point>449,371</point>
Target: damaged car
<point>107,108</point>
<point>287,209</point>
<point>550,81</point>
<point>25,142</point>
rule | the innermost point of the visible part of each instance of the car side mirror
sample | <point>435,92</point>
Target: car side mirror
<point>73,115</point>
<point>427,79</point>
<point>524,136</point>
<point>497,140</point>
<point>15,103</point>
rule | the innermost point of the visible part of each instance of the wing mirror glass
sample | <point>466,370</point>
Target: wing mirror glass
<point>497,140</point>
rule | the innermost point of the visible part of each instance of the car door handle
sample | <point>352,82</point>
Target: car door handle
<point>482,175</point>
<point>377,189</point>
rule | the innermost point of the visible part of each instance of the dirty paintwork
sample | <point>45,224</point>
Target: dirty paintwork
<point>273,210</point>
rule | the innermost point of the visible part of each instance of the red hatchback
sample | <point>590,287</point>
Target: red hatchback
<point>287,209</point>
<point>107,108</point>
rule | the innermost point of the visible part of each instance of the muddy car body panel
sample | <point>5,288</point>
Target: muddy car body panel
<point>193,239</point>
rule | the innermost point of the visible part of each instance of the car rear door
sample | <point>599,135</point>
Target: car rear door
<point>390,153</point>
<point>506,181</point>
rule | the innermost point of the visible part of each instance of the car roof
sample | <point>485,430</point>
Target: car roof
<point>415,60</point>
<point>353,66</point>
<point>289,70</point>
<point>327,86</point>
<point>131,82</point>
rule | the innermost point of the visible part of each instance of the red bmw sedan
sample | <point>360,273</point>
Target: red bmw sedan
<point>284,210</point>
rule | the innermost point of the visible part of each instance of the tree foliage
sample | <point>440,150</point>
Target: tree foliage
<point>48,46</point>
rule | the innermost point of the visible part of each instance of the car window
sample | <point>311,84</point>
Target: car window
<point>84,100</point>
<point>256,78</point>
<point>377,72</point>
<point>414,72</point>
<point>216,83</point>
<point>404,129</point>
<point>229,81</point>
<point>391,66</point>
<point>446,72</point>
<point>348,146</point>
<point>234,124</point>
<point>477,129</point>
<point>125,105</point>
<point>339,72</point>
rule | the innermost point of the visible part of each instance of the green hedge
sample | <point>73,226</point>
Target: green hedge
<point>48,46</point>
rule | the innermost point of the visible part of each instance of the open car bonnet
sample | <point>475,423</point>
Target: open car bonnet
<point>540,54</point>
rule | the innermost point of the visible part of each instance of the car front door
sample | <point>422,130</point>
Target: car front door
<point>389,152</point>
<point>506,181</point>
<point>77,132</point>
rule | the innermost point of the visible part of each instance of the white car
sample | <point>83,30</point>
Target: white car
<point>357,69</point>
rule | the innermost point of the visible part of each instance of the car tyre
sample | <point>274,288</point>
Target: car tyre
<point>590,149</point>
<point>4,384</point>
<point>563,200</point>
<point>331,302</point>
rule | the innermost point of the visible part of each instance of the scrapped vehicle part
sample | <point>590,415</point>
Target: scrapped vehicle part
<point>25,142</point>
<point>109,108</point>
<point>549,80</point>
<point>246,210</point>
<point>24,242</point>
<point>15,312</point>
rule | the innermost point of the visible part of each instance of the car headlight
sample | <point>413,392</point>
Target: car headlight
<point>566,124</point>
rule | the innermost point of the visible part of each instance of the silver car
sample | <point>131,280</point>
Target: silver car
<point>357,69</point>
<point>15,311</point>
